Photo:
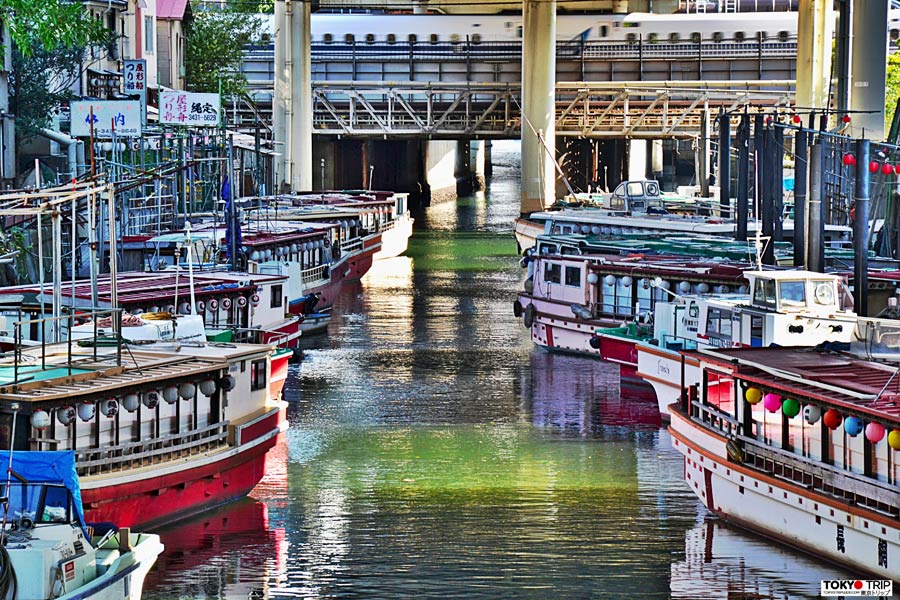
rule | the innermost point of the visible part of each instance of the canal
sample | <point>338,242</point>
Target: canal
<point>434,451</point>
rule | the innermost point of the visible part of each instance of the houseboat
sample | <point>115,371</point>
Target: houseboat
<point>160,431</point>
<point>800,446</point>
<point>629,211</point>
<point>231,306</point>
<point>566,298</point>
<point>784,308</point>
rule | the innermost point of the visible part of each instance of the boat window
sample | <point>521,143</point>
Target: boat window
<point>764,293</point>
<point>620,190</point>
<point>56,505</point>
<point>635,188</point>
<point>793,293</point>
<point>258,375</point>
<point>652,188</point>
<point>718,323</point>
<point>604,31</point>
<point>824,292</point>
<point>276,296</point>
<point>552,273</point>
<point>573,276</point>
<point>756,330</point>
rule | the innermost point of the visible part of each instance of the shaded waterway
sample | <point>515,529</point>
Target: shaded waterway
<point>433,451</point>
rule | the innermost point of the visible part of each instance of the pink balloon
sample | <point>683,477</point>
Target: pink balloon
<point>874,432</point>
<point>772,402</point>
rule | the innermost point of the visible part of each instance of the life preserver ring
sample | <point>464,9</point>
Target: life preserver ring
<point>529,315</point>
<point>517,308</point>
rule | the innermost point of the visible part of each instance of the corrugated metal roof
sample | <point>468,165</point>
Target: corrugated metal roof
<point>170,9</point>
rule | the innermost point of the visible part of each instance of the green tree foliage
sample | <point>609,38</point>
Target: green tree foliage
<point>40,82</point>
<point>49,39</point>
<point>892,89</point>
<point>215,44</point>
<point>49,24</point>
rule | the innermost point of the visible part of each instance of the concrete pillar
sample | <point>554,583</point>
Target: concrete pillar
<point>463,169</point>
<point>440,169</point>
<point>656,157</point>
<point>292,110</point>
<point>538,104</point>
<point>488,165</point>
<point>868,68</point>
<point>637,159</point>
<point>477,164</point>
<point>816,29</point>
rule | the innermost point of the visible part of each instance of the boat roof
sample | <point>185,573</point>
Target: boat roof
<point>54,377</point>
<point>839,379</point>
<point>141,287</point>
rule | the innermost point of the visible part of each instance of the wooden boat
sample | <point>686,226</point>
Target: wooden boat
<point>800,446</point>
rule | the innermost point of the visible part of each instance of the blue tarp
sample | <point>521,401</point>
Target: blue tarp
<point>48,467</point>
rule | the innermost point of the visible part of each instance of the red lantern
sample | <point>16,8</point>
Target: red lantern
<point>896,169</point>
<point>796,118</point>
<point>849,160</point>
<point>886,169</point>
<point>873,167</point>
<point>832,419</point>
<point>769,120</point>
<point>845,118</point>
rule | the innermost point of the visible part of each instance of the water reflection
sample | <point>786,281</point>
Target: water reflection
<point>228,553</point>
<point>725,563</point>
<point>581,395</point>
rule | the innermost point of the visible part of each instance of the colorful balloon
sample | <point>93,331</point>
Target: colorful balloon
<point>812,414</point>
<point>753,395</point>
<point>832,418</point>
<point>894,439</point>
<point>874,432</point>
<point>790,408</point>
<point>772,402</point>
<point>853,426</point>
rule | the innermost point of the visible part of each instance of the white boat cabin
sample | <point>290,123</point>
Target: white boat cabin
<point>783,308</point>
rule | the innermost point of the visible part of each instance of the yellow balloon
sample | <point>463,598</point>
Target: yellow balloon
<point>894,439</point>
<point>753,395</point>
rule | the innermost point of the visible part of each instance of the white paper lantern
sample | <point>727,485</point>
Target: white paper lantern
<point>40,419</point>
<point>86,411</point>
<point>170,394</point>
<point>187,390</point>
<point>207,387</point>
<point>65,415</point>
<point>130,402</point>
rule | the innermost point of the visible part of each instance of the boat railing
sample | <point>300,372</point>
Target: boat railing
<point>670,341</point>
<point>713,418</point>
<point>352,245</point>
<point>177,446</point>
<point>847,486</point>
<point>314,274</point>
<point>61,327</point>
<point>854,488</point>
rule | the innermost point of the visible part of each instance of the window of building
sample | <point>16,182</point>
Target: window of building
<point>148,35</point>
<point>258,375</point>
<point>276,296</point>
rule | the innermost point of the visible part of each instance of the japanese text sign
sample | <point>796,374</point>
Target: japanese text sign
<point>135,77</point>
<point>123,115</point>
<point>187,108</point>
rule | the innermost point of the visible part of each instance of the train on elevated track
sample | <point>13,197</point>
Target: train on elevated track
<point>359,29</point>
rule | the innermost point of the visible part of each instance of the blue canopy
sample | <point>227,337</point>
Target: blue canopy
<point>48,467</point>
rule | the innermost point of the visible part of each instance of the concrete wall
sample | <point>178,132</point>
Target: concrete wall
<point>441,169</point>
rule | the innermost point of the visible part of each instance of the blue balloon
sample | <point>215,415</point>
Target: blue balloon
<point>853,426</point>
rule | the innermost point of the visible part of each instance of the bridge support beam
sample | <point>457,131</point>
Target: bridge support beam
<point>292,107</point>
<point>538,104</point>
<point>815,29</point>
<point>868,68</point>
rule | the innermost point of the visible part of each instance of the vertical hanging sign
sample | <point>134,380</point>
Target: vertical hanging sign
<point>136,82</point>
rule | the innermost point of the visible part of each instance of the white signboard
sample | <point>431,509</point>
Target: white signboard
<point>135,77</point>
<point>123,116</point>
<point>189,108</point>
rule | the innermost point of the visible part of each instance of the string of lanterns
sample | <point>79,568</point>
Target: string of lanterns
<point>832,418</point>
<point>109,407</point>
